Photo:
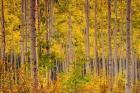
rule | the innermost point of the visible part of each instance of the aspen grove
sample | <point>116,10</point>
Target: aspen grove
<point>70,46</point>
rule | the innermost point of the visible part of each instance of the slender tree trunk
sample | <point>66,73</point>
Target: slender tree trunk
<point>50,33</point>
<point>87,28</point>
<point>69,49</point>
<point>102,42</point>
<point>3,42</point>
<point>121,42</point>
<point>133,64</point>
<point>115,41</point>
<point>15,67</point>
<point>34,59</point>
<point>26,33</point>
<point>70,56</point>
<point>38,14</point>
<point>87,49</point>
<point>3,32</point>
<point>47,9</point>
<point>49,22</point>
<point>123,65</point>
<point>128,49</point>
<point>109,37</point>
<point>95,36</point>
<point>138,69</point>
<point>22,31</point>
<point>136,72</point>
<point>38,25</point>
<point>132,54</point>
<point>11,70</point>
<point>47,26</point>
<point>103,49</point>
<point>12,62</point>
<point>109,44</point>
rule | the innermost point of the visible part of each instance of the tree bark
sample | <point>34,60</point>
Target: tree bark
<point>3,43</point>
<point>87,49</point>
<point>38,14</point>
<point>69,43</point>
<point>70,54</point>
<point>3,32</point>
<point>22,31</point>
<point>115,41</point>
<point>26,17</point>
<point>87,28</point>
<point>95,39</point>
<point>128,49</point>
<point>38,26</point>
<point>34,59</point>
<point>103,49</point>
<point>47,26</point>
<point>109,44</point>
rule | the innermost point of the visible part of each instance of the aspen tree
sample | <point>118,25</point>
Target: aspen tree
<point>115,40</point>
<point>22,31</point>
<point>95,37</point>
<point>3,42</point>
<point>47,26</point>
<point>34,59</point>
<point>109,45</point>
<point>128,49</point>
<point>87,48</point>
<point>3,32</point>
<point>70,52</point>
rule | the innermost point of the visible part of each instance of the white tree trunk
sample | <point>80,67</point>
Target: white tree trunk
<point>34,59</point>
<point>95,40</point>
<point>87,48</point>
<point>128,50</point>
<point>115,41</point>
<point>109,45</point>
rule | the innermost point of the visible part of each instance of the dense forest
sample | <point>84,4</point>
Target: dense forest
<point>69,46</point>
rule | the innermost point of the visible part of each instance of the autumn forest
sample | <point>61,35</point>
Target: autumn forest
<point>69,46</point>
